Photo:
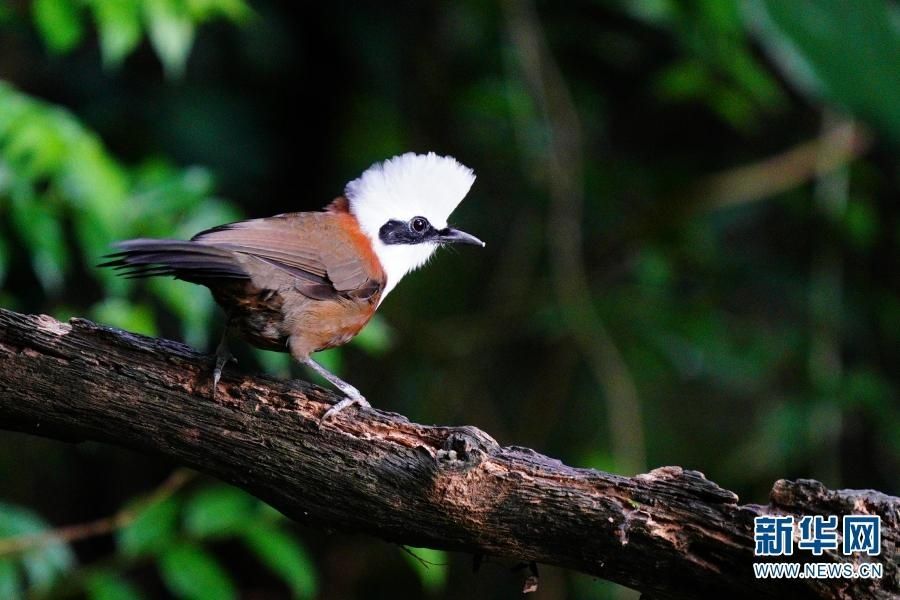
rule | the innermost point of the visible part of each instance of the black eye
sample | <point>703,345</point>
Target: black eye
<point>418,224</point>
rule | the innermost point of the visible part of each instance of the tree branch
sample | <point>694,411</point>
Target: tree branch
<point>669,533</point>
<point>103,526</point>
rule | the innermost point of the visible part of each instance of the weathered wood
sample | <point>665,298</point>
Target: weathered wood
<point>670,533</point>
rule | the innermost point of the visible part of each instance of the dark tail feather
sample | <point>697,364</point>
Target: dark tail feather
<point>191,261</point>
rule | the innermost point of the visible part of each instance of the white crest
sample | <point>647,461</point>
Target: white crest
<point>400,188</point>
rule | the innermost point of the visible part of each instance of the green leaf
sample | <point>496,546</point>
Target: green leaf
<point>376,337</point>
<point>861,224</point>
<point>598,459</point>
<point>105,585</point>
<point>171,33</point>
<point>331,359</point>
<point>152,531</point>
<point>59,23</point>
<point>193,305</point>
<point>430,566</point>
<point>10,580</point>
<point>44,564</point>
<point>192,573</point>
<point>235,10</point>
<point>219,510</point>
<point>119,27</point>
<point>274,363</point>
<point>204,214</point>
<point>38,223</point>
<point>125,315</point>
<point>687,79</point>
<point>849,48</point>
<point>34,144</point>
<point>284,555</point>
<point>161,192</point>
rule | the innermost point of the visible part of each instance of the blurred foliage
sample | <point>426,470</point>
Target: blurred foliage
<point>716,66</point>
<point>176,534</point>
<point>170,24</point>
<point>431,566</point>
<point>55,175</point>
<point>761,337</point>
<point>824,43</point>
<point>42,566</point>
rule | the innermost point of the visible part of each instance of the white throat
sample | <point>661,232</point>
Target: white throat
<point>399,259</point>
<point>399,189</point>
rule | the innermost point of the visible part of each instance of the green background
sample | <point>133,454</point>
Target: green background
<point>692,227</point>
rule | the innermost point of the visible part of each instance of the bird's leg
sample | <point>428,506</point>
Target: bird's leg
<point>223,355</point>
<point>352,394</point>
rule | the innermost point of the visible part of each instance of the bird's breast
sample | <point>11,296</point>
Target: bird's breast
<point>268,319</point>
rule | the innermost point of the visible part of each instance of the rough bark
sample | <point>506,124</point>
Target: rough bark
<point>670,533</point>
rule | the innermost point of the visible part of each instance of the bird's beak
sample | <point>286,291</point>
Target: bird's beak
<point>449,235</point>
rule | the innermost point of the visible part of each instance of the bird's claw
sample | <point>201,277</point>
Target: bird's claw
<point>345,403</point>
<point>222,358</point>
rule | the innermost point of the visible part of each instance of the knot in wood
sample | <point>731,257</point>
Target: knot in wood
<point>465,448</point>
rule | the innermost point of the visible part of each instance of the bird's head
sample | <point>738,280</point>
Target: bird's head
<point>403,204</point>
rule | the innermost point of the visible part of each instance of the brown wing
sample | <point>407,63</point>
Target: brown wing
<point>319,254</point>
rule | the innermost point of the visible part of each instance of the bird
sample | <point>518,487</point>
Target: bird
<point>302,282</point>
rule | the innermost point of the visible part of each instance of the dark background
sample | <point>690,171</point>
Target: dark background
<point>646,296</point>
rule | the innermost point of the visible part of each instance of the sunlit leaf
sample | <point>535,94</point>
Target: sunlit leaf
<point>45,564</point>
<point>162,193</point>
<point>152,531</point>
<point>38,224</point>
<point>54,172</point>
<point>192,573</point>
<point>219,510</point>
<point>192,304</point>
<point>284,555</point>
<point>95,233</point>
<point>59,23</point>
<point>119,27</point>
<point>34,145</point>
<point>171,32</point>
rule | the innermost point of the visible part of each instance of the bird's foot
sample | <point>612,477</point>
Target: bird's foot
<point>223,357</point>
<point>352,394</point>
<point>350,400</point>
